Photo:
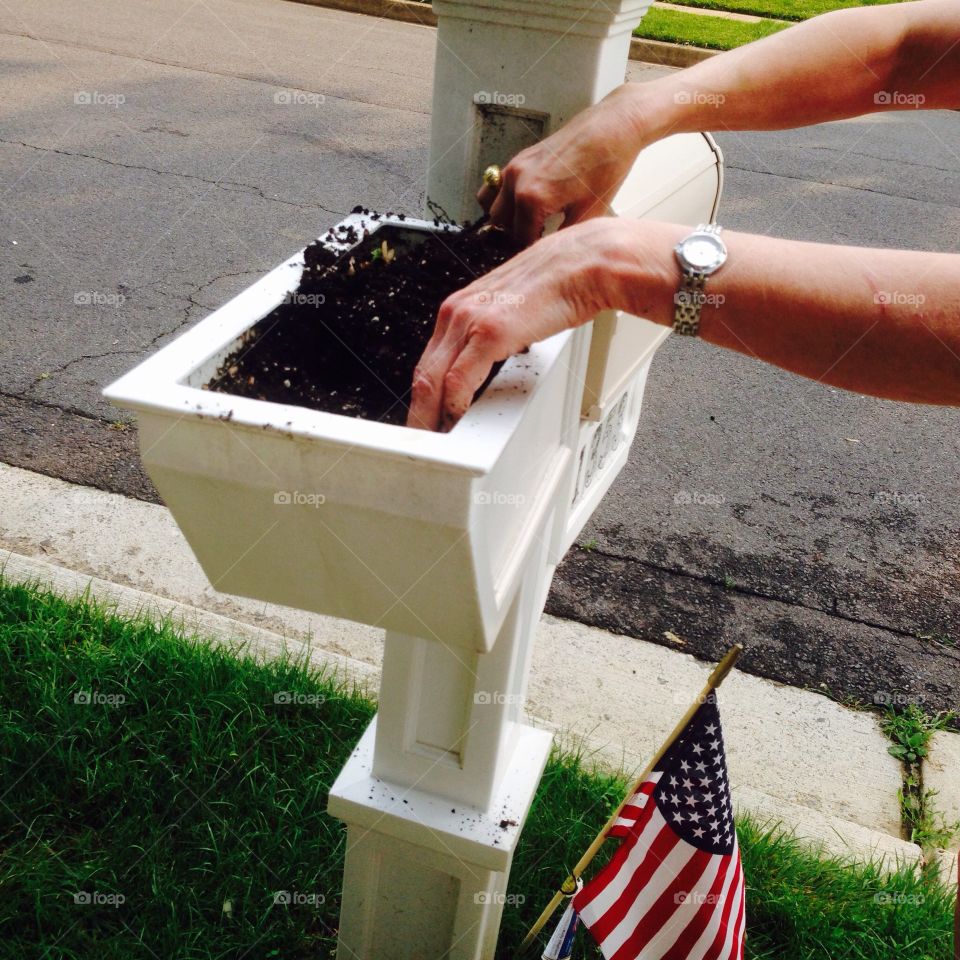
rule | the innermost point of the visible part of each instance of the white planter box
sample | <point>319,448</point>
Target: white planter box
<point>418,532</point>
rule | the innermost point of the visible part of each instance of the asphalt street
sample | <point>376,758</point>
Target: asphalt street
<point>158,155</point>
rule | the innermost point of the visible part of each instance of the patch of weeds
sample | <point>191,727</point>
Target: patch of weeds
<point>911,730</point>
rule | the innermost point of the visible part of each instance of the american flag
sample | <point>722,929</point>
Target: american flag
<point>674,888</point>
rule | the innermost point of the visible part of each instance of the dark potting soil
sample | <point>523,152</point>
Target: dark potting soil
<point>348,339</point>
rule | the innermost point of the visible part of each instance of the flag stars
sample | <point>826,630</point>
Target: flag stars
<point>694,793</point>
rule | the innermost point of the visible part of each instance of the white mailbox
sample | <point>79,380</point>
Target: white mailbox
<point>448,541</point>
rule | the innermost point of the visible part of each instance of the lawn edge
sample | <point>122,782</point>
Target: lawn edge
<point>411,11</point>
<point>238,635</point>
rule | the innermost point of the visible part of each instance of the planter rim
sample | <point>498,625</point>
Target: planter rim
<point>159,383</point>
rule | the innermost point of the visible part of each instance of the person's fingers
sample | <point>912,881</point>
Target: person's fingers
<point>529,213</point>
<point>467,374</point>
<point>501,210</point>
<point>426,395</point>
<point>485,196</point>
<point>426,390</point>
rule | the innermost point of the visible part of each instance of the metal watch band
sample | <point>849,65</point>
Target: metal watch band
<point>690,297</point>
<point>689,301</point>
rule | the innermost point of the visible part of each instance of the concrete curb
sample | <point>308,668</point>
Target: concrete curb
<point>614,695</point>
<point>668,54</point>
<point>409,11</point>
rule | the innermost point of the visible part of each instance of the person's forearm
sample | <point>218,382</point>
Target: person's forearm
<point>839,65</point>
<point>881,322</point>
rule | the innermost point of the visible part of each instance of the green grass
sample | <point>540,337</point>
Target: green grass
<point>697,30</point>
<point>782,9</point>
<point>911,730</point>
<point>136,765</point>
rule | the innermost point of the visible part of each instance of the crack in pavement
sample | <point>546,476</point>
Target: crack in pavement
<point>59,407</point>
<point>252,188</point>
<point>191,303</point>
<point>762,595</point>
<point>842,186</point>
<point>870,156</point>
<point>56,371</point>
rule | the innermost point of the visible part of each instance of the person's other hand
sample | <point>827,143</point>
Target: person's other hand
<point>575,172</point>
<point>555,284</point>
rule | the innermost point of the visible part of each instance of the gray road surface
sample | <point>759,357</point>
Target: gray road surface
<point>148,172</point>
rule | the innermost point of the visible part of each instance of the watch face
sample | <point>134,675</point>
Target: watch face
<point>703,252</point>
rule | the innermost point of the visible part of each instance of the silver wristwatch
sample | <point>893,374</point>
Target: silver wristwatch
<point>700,254</point>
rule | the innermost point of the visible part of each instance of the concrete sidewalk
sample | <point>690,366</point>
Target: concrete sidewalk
<point>796,757</point>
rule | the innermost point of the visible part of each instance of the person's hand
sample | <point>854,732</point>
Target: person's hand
<point>575,172</point>
<point>559,282</point>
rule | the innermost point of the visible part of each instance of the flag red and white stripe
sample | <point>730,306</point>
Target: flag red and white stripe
<point>674,889</point>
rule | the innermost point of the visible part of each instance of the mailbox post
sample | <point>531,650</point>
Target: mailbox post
<point>450,725</point>
<point>447,541</point>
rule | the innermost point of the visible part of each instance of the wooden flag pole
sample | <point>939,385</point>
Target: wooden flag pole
<point>569,886</point>
<point>956,916</point>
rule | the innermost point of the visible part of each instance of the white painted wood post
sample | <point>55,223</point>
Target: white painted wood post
<point>510,72</point>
